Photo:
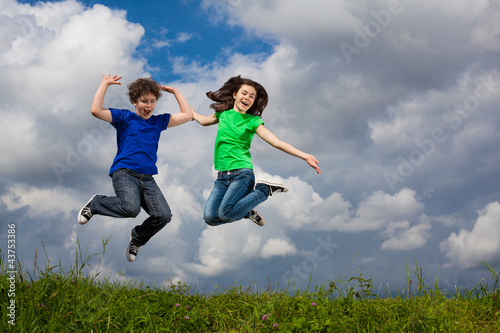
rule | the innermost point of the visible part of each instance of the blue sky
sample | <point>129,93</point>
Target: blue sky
<point>401,115</point>
<point>183,29</point>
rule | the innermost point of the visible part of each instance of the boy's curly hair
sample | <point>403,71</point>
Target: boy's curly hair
<point>224,99</point>
<point>142,87</point>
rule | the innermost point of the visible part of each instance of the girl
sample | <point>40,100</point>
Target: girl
<point>238,107</point>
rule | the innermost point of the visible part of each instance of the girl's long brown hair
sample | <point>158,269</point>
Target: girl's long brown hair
<point>224,100</point>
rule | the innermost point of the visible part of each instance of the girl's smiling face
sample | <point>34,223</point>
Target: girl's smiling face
<point>244,98</point>
<point>145,106</point>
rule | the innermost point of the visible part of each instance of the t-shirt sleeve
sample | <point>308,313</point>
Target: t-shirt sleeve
<point>257,123</point>
<point>118,117</point>
<point>165,117</point>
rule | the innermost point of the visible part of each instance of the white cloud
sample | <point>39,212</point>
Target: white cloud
<point>252,246</point>
<point>181,37</point>
<point>380,207</point>
<point>403,237</point>
<point>216,249</point>
<point>277,247</point>
<point>303,208</point>
<point>14,124</point>
<point>357,118</point>
<point>43,203</point>
<point>469,248</point>
<point>295,19</point>
<point>485,35</point>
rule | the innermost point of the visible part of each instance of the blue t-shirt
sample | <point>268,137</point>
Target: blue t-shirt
<point>137,140</point>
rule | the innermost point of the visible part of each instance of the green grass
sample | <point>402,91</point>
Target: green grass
<point>54,300</point>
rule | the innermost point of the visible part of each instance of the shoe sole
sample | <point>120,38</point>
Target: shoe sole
<point>80,212</point>
<point>265,182</point>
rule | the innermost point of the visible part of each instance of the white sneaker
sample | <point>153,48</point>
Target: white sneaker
<point>257,217</point>
<point>274,187</point>
<point>84,215</point>
<point>132,249</point>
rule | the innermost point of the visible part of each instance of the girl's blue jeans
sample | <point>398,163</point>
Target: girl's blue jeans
<point>135,190</point>
<point>233,197</point>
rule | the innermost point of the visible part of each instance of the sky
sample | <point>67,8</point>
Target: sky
<point>398,100</point>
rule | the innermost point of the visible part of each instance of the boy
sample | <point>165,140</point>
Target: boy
<point>132,171</point>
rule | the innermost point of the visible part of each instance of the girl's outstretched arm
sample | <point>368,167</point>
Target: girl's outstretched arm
<point>270,138</point>
<point>181,117</point>
<point>205,120</point>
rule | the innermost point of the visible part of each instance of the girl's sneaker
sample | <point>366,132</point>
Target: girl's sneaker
<point>85,213</point>
<point>257,217</point>
<point>273,187</point>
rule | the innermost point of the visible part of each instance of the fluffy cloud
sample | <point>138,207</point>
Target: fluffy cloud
<point>35,198</point>
<point>277,247</point>
<point>398,218</point>
<point>469,248</point>
<point>405,128</point>
<point>50,86</point>
<point>403,237</point>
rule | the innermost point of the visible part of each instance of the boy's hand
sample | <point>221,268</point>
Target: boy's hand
<point>109,80</point>
<point>97,109</point>
<point>171,90</point>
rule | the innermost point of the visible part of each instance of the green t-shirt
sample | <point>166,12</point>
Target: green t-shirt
<point>234,137</point>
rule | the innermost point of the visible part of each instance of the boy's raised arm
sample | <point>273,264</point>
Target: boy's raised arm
<point>97,109</point>
<point>181,117</point>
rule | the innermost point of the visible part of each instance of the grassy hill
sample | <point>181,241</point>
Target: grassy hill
<point>58,300</point>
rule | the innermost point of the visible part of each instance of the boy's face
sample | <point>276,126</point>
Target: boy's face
<point>244,98</point>
<point>145,106</point>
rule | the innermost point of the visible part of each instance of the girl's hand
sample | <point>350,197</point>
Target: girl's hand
<point>313,162</point>
<point>109,80</point>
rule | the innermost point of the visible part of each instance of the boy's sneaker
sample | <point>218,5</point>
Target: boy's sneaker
<point>132,249</point>
<point>85,214</point>
<point>257,217</point>
<point>273,187</point>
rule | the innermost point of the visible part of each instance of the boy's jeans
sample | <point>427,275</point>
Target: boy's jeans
<point>135,190</point>
<point>233,197</point>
